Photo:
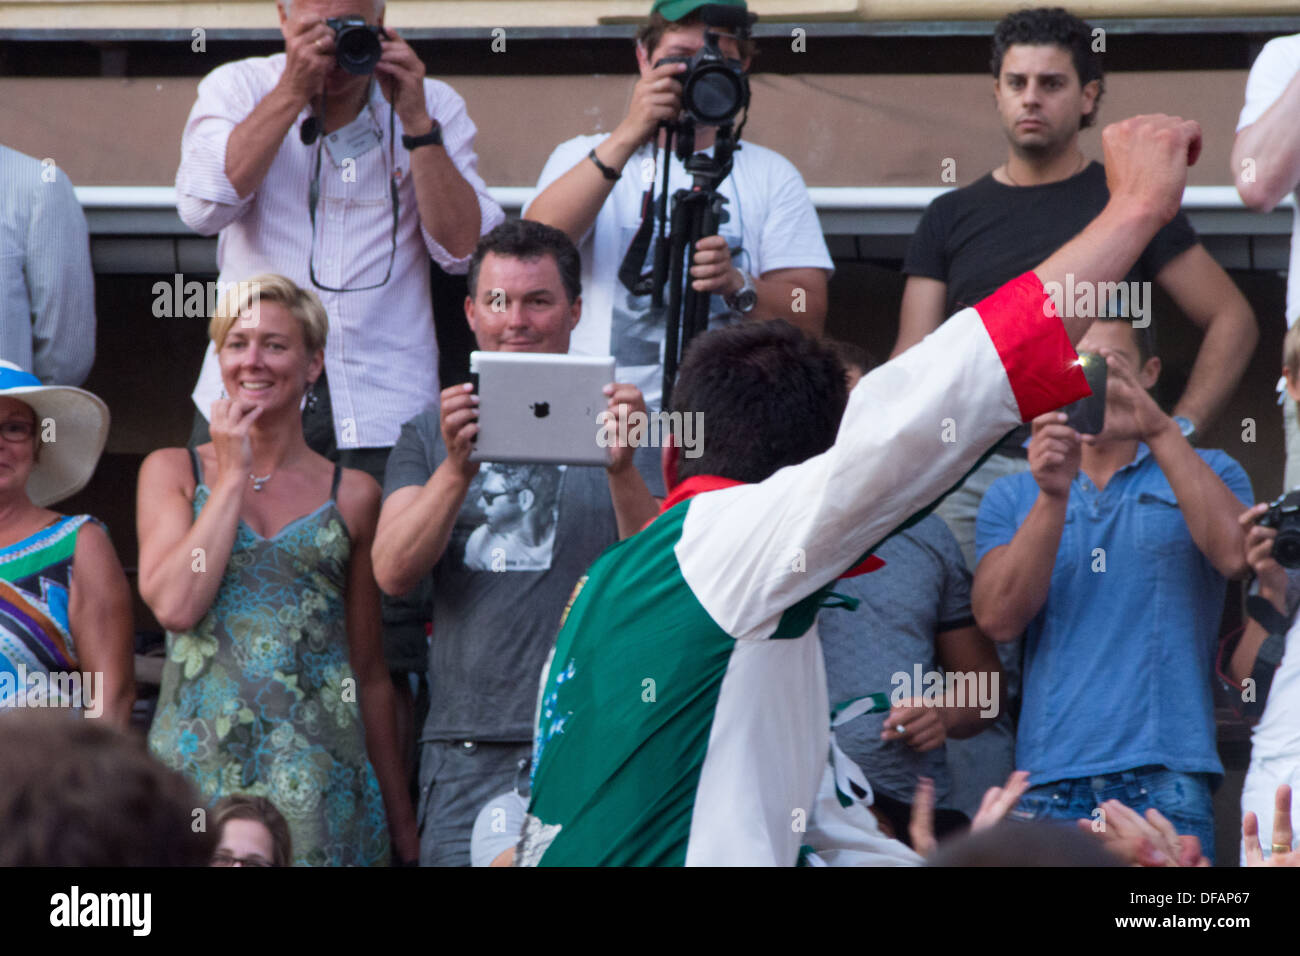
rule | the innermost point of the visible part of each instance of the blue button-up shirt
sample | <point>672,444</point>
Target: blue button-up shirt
<point>1119,662</point>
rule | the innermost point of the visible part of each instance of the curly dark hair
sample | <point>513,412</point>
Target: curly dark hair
<point>770,396</point>
<point>1052,26</point>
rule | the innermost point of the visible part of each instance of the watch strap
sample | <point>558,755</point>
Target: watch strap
<point>608,172</point>
<point>431,138</point>
<point>745,298</point>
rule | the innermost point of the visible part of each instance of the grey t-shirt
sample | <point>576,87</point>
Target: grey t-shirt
<point>923,589</point>
<point>522,539</point>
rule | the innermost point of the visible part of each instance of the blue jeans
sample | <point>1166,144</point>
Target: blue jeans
<point>1183,798</point>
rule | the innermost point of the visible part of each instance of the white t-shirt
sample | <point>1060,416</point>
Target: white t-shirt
<point>1276,64</point>
<point>771,216</point>
<point>1278,732</point>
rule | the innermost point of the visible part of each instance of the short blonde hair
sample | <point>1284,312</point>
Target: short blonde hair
<point>1291,351</point>
<point>238,297</point>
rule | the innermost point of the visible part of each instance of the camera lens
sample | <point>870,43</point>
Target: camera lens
<point>713,94</point>
<point>1286,547</point>
<point>357,49</point>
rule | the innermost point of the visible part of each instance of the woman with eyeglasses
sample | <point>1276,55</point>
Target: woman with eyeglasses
<point>65,606</point>
<point>255,555</point>
<point>250,832</point>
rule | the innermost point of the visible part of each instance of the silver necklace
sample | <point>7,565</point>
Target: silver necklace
<point>259,482</point>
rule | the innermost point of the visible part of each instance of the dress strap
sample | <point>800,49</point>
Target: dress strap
<point>338,476</point>
<point>196,465</point>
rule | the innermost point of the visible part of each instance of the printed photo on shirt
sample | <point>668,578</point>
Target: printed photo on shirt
<point>520,508</point>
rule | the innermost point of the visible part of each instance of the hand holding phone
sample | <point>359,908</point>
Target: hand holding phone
<point>1087,416</point>
<point>1055,453</point>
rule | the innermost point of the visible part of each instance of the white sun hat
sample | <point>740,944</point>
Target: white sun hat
<point>76,422</point>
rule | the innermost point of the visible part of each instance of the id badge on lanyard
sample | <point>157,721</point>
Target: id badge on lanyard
<point>354,140</point>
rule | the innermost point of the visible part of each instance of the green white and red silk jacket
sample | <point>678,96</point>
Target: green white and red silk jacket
<point>683,716</point>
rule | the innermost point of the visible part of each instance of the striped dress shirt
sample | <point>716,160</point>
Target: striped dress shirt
<point>381,354</point>
<point>47,288</point>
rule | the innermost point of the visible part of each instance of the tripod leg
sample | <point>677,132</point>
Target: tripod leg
<point>679,252</point>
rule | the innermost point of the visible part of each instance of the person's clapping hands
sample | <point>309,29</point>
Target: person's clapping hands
<point>1143,841</point>
<point>997,803</point>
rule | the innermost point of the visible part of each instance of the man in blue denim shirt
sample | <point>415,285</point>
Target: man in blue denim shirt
<point>1111,553</point>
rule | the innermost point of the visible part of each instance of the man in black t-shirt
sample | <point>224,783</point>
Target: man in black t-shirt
<point>1048,85</point>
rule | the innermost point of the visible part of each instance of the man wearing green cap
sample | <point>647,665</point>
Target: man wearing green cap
<point>769,261</point>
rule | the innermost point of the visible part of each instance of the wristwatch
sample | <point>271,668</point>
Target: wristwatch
<point>431,138</point>
<point>745,298</point>
<point>1187,427</point>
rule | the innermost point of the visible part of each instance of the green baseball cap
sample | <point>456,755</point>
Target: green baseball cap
<point>674,10</point>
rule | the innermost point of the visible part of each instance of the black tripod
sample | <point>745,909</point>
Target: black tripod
<point>697,212</point>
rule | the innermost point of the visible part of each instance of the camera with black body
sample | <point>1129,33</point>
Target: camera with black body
<point>356,44</point>
<point>1284,515</point>
<point>714,87</point>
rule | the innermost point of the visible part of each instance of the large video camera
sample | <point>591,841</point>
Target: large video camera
<point>1284,515</point>
<point>356,44</point>
<point>714,88</point>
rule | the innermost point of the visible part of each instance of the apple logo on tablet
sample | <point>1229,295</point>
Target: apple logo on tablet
<point>541,409</point>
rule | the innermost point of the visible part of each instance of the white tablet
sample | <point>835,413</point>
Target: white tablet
<point>540,407</point>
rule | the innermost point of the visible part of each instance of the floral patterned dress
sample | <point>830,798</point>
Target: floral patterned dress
<point>259,697</point>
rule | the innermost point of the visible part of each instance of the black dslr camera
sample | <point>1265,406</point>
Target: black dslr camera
<point>1284,515</point>
<point>714,88</point>
<point>356,44</point>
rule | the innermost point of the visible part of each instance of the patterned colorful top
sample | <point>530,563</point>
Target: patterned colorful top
<point>35,580</point>
<point>259,697</point>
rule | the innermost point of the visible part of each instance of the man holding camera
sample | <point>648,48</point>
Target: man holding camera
<point>1111,554</point>
<point>269,134</point>
<point>768,260</point>
<point>340,165</point>
<point>503,545</point>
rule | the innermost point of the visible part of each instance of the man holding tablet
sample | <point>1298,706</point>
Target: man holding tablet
<point>504,543</point>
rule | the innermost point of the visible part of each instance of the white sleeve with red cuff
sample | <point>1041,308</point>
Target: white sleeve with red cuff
<point>913,428</point>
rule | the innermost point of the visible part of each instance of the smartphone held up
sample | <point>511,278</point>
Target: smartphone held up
<point>1087,416</point>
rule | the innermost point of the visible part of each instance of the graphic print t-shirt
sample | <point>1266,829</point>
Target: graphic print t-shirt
<point>498,592</point>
